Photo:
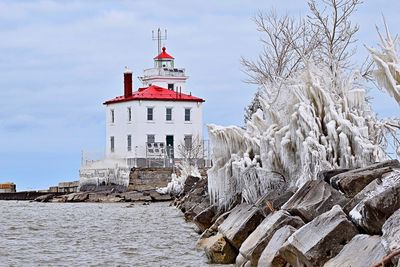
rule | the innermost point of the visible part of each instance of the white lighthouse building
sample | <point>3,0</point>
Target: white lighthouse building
<point>148,126</point>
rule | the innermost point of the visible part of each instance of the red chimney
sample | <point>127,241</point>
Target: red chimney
<point>127,83</point>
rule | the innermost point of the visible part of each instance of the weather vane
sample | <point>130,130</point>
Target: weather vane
<point>158,38</point>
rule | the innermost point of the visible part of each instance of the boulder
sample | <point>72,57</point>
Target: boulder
<point>351,183</point>
<point>132,196</point>
<point>242,221</point>
<point>312,199</point>
<point>189,184</point>
<point>274,200</point>
<point>371,213</point>
<point>328,174</point>
<point>354,181</point>
<point>77,197</point>
<point>361,196</point>
<point>391,234</point>
<point>240,261</point>
<point>213,229</point>
<point>254,245</point>
<point>270,256</point>
<point>362,250</point>
<point>44,198</point>
<point>320,240</point>
<point>218,250</point>
<point>204,219</point>
<point>157,197</point>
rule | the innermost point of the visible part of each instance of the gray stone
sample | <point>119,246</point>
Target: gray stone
<point>361,196</point>
<point>254,245</point>
<point>274,200</point>
<point>362,250</point>
<point>320,240</point>
<point>312,199</point>
<point>204,219</point>
<point>328,174</point>
<point>44,198</point>
<point>157,197</point>
<point>354,181</point>
<point>242,221</point>
<point>351,183</point>
<point>372,213</point>
<point>270,256</point>
<point>132,196</point>
<point>240,261</point>
<point>189,183</point>
<point>218,250</point>
<point>213,229</point>
<point>391,234</point>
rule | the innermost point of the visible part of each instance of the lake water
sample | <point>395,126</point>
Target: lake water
<point>92,234</point>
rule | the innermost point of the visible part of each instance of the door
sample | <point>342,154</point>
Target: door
<point>170,146</point>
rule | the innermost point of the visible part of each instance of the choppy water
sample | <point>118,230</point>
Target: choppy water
<point>91,234</point>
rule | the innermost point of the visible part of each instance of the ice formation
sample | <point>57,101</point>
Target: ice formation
<point>175,187</point>
<point>316,119</point>
<point>387,72</point>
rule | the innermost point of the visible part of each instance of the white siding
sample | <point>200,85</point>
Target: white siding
<point>139,127</point>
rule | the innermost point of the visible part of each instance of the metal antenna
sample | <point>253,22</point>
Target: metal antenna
<point>159,38</point>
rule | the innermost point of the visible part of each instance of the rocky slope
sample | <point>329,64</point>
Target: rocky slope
<point>341,218</point>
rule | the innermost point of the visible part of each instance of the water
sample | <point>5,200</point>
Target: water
<point>92,234</point>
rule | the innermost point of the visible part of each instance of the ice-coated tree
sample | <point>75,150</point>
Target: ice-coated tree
<point>313,117</point>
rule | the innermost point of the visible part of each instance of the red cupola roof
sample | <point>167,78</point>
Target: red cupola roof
<point>155,92</point>
<point>164,55</point>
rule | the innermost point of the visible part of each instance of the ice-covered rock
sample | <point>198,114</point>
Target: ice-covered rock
<point>372,212</point>
<point>391,232</point>
<point>361,251</point>
<point>204,219</point>
<point>254,245</point>
<point>271,256</point>
<point>274,200</point>
<point>319,240</point>
<point>312,199</point>
<point>352,182</point>
<point>240,223</point>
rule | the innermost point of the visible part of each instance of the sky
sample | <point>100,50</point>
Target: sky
<point>60,60</point>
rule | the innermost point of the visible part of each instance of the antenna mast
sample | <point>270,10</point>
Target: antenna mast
<point>158,38</point>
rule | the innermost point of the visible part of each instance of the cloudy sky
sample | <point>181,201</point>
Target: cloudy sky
<point>59,60</point>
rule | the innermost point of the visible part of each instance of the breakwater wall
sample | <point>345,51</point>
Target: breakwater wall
<point>25,195</point>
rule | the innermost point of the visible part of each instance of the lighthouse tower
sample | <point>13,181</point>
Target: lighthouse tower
<point>147,127</point>
<point>150,123</point>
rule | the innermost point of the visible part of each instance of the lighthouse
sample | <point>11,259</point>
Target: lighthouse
<point>152,121</point>
<point>147,126</point>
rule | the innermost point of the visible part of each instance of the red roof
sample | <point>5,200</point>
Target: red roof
<point>164,55</point>
<point>155,92</point>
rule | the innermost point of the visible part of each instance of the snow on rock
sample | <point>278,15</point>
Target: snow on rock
<point>308,123</point>
<point>175,187</point>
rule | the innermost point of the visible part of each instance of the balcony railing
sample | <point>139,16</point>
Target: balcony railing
<point>163,72</point>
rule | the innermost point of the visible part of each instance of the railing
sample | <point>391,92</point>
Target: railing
<point>163,72</point>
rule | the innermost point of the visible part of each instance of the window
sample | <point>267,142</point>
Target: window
<point>112,143</point>
<point>149,114</point>
<point>112,116</point>
<point>151,138</point>
<point>129,141</point>
<point>168,114</point>
<point>187,114</point>
<point>129,114</point>
<point>171,86</point>
<point>188,141</point>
